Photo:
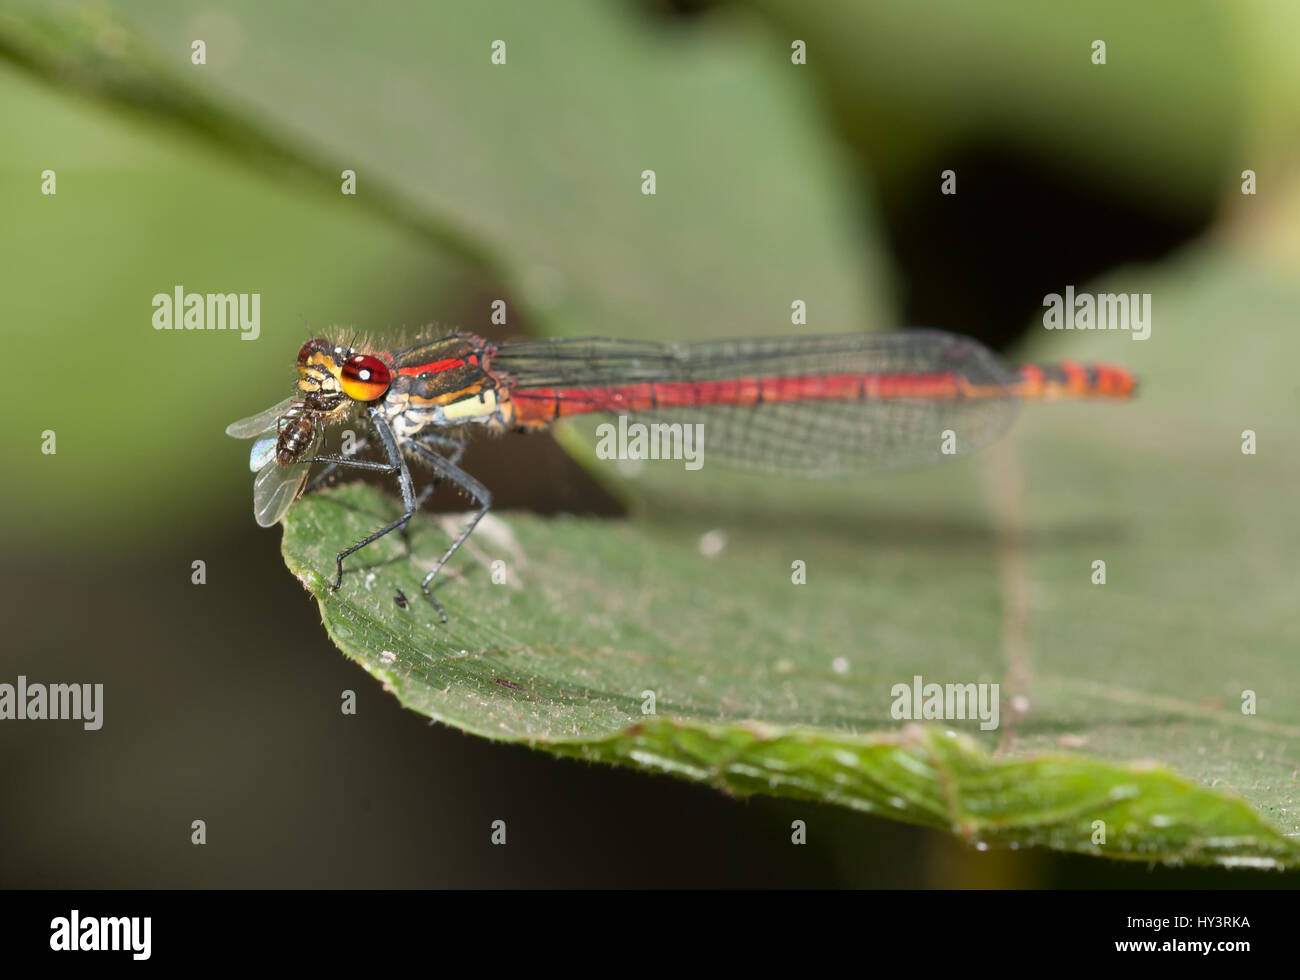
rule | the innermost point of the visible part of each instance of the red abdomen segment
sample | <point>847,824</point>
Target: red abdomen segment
<point>1069,379</point>
<point>1065,380</point>
<point>547,404</point>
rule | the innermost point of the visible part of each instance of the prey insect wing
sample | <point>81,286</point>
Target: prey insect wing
<point>263,452</point>
<point>262,423</point>
<point>275,488</point>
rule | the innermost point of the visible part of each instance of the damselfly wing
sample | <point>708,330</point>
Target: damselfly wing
<point>810,406</point>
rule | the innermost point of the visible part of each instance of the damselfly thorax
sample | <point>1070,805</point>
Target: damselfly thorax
<point>445,385</point>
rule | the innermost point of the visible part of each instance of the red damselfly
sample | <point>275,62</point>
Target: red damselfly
<point>809,406</point>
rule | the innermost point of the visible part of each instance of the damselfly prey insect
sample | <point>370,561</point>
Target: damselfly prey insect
<point>807,406</point>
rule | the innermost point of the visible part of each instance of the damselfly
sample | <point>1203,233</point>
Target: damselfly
<point>808,406</point>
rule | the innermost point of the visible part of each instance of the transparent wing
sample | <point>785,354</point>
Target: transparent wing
<point>275,488</point>
<point>262,422</point>
<point>263,452</point>
<point>904,392</point>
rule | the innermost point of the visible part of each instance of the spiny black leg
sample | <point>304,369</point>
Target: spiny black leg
<point>395,464</point>
<point>446,468</point>
<point>454,449</point>
<point>361,464</point>
<point>447,448</point>
<point>319,479</point>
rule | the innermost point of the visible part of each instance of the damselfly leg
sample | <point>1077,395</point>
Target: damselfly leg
<point>426,448</point>
<point>448,469</point>
<point>448,448</point>
<point>318,481</point>
<point>396,465</point>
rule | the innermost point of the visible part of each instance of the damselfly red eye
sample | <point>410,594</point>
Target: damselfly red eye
<point>365,378</point>
<point>310,348</point>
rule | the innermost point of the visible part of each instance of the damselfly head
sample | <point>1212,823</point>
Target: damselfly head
<point>326,368</point>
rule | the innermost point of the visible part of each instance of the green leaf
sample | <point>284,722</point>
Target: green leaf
<point>589,616</point>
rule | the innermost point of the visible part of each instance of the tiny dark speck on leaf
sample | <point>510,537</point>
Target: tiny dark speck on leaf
<point>505,683</point>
